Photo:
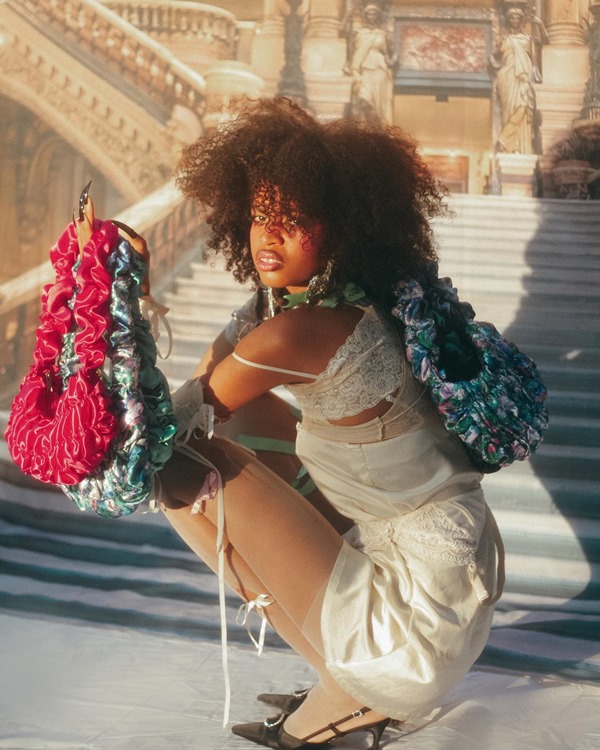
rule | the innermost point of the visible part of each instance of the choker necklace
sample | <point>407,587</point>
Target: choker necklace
<point>350,293</point>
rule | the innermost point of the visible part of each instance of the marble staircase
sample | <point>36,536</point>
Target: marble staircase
<point>531,267</point>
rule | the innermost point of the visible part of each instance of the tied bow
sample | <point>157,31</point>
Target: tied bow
<point>259,604</point>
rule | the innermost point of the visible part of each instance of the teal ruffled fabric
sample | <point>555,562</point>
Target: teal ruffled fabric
<point>140,395</point>
<point>486,390</point>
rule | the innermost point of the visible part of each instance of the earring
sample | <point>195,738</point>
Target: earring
<point>320,285</point>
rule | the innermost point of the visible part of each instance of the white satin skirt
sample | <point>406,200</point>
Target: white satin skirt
<point>409,605</point>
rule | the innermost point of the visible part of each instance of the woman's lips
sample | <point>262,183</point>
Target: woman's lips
<point>268,261</point>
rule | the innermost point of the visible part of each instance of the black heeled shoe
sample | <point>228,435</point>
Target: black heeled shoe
<point>284,701</point>
<point>270,733</point>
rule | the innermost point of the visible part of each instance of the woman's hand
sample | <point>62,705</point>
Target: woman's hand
<point>138,243</point>
<point>84,223</point>
<point>84,227</point>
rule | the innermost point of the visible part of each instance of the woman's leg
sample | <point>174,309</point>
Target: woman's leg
<point>200,535</point>
<point>280,536</point>
<point>277,543</point>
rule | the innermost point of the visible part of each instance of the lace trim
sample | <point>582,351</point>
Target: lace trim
<point>431,532</point>
<point>367,368</point>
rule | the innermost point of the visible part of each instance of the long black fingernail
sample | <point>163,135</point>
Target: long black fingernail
<point>83,199</point>
<point>128,230</point>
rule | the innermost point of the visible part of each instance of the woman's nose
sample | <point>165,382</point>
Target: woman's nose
<point>273,233</point>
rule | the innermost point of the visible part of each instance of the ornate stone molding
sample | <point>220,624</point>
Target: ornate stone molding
<point>99,32</point>
<point>134,151</point>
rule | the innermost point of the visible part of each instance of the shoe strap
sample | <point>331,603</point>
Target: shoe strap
<point>333,727</point>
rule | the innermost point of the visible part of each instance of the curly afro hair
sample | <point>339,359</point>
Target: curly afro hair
<point>364,183</point>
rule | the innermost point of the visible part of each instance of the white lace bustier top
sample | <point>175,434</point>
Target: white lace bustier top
<point>367,368</point>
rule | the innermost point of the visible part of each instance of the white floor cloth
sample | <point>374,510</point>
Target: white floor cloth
<point>109,640</point>
<point>70,686</point>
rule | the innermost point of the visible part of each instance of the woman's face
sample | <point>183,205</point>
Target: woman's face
<point>285,255</point>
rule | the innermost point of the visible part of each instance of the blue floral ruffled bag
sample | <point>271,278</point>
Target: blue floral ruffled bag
<point>486,390</point>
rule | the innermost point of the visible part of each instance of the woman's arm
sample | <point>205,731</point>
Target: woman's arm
<point>216,353</point>
<point>302,340</point>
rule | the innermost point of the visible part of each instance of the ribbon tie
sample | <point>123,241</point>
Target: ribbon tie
<point>259,604</point>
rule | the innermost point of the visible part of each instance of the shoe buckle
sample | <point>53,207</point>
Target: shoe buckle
<point>357,714</point>
<point>272,723</point>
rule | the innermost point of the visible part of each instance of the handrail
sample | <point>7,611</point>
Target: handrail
<point>166,19</point>
<point>146,63</point>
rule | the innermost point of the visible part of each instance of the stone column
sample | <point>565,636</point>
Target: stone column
<point>324,19</point>
<point>267,56</point>
<point>324,57</point>
<point>565,21</point>
<point>566,70</point>
<point>591,102</point>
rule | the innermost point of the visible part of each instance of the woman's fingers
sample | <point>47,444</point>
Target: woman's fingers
<point>85,221</point>
<point>131,233</point>
<point>138,243</point>
<point>84,227</point>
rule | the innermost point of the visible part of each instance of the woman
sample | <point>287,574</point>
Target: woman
<point>393,613</point>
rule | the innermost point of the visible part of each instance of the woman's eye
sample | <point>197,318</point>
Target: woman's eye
<point>259,219</point>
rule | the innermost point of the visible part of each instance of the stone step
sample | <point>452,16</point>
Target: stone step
<point>547,289</point>
<point>572,461</point>
<point>573,403</point>
<point>188,314</point>
<point>550,535</point>
<point>187,333</point>
<point>560,353</point>
<point>200,268</point>
<point>501,210</point>
<point>506,268</point>
<point>210,286</point>
<point>568,429</point>
<point>492,241</point>
<point>517,236</point>
<point>526,336</point>
<point>521,488</point>
<point>563,377</point>
<point>550,576</point>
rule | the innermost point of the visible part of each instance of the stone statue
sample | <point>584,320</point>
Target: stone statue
<point>515,63</point>
<point>371,60</point>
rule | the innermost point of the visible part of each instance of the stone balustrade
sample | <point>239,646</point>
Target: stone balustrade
<point>96,30</point>
<point>169,20</point>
